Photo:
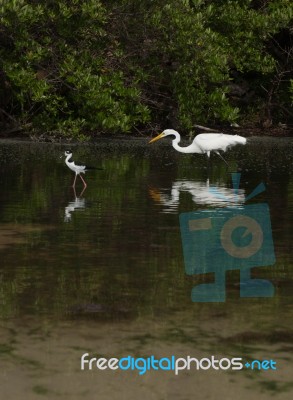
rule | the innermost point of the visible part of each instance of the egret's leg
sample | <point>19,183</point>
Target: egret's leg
<point>209,161</point>
<point>84,184</point>
<point>74,181</point>
<point>220,155</point>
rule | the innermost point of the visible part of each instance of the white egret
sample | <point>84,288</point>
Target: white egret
<point>203,143</point>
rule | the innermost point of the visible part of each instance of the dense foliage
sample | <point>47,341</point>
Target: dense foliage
<point>79,68</point>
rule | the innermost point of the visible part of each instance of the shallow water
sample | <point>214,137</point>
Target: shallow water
<point>103,270</point>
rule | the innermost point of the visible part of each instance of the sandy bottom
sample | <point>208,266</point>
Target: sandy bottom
<point>41,359</point>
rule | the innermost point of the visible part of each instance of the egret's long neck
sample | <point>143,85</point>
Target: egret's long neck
<point>186,149</point>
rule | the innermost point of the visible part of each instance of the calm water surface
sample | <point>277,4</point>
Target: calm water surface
<point>102,270</point>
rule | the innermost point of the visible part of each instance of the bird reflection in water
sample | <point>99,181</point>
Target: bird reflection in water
<point>77,204</point>
<point>202,193</point>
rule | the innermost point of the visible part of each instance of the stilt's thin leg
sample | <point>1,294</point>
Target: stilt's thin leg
<point>85,185</point>
<point>220,155</point>
<point>74,181</point>
<point>81,193</point>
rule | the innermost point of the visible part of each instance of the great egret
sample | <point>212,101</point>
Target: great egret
<point>203,143</point>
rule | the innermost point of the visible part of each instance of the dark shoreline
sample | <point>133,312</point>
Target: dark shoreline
<point>47,138</point>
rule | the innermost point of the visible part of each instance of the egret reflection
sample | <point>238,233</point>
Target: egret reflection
<point>202,193</point>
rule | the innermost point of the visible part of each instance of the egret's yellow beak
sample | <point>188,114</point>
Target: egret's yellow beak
<point>155,194</point>
<point>157,138</point>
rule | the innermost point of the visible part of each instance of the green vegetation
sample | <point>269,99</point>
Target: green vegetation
<point>76,68</point>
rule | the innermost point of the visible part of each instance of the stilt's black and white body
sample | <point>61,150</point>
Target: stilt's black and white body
<point>204,143</point>
<point>78,169</point>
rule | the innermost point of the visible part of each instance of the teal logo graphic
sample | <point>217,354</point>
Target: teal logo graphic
<point>226,239</point>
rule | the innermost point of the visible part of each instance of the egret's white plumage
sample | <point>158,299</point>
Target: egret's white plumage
<point>203,143</point>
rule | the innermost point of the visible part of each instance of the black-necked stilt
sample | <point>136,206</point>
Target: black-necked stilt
<point>78,169</point>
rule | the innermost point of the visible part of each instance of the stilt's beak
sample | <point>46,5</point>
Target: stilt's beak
<point>160,136</point>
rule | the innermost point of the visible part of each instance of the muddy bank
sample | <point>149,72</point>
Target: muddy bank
<point>281,130</point>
